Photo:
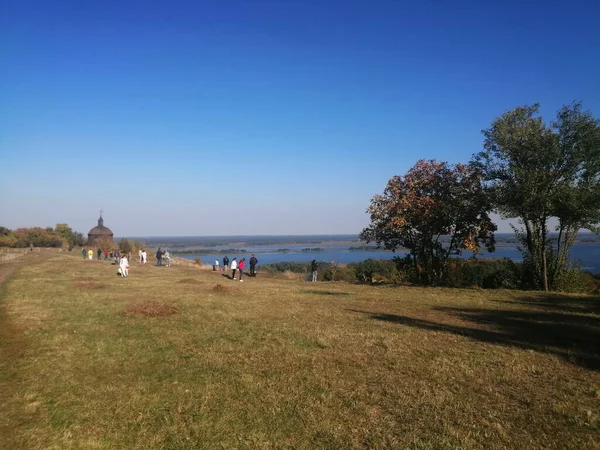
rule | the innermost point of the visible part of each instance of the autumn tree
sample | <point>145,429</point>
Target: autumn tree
<point>537,171</point>
<point>431,201</point>
<point>105,244</point>
<point>125,246</point>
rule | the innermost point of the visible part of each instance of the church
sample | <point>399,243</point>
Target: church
<point>99,232</point>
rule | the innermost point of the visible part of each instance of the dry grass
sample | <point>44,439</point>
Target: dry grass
<point>282,363</point>
<point>149,308</point>
<point>221,288</point>
<point>90,285</point>
<point>188,281</point>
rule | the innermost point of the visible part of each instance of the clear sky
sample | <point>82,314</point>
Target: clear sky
<point>263,117</point>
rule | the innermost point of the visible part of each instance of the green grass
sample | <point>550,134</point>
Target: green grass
<point>276,362</point>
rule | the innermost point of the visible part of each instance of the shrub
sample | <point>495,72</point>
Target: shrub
<point>574,280</point>
<point>379,271</point>
<point>491,274</point>
<point>338,273</point>
<point>294,267</point>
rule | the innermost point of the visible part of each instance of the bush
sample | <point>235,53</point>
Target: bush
<point>294,267</point>
<point>491,274</point>
<point>379,271</point>
<point>338,273</point>
<point>574,280</point>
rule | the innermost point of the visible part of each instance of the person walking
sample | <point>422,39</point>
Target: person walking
<point>99,253</point>
<point>140,254</point>
<point>313,268</point>
<point>144,256</point>
<point>216,265</point>
<point>241,267</point>
<point>90,254</point>
<point>233,268</point>
<point>167,258</point>
<point>159,254</point>
<point>253,263</point>
<point>124,266</point>
<point>83,253</point>
<point>225,263</point>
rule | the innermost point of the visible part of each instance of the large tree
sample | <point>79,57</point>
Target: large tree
<point>431,201</point>
<point>537,171</point>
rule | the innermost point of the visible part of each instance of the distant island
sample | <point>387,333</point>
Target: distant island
<point>367,248</point>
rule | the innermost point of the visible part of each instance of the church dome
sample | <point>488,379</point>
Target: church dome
<point>99,232</point>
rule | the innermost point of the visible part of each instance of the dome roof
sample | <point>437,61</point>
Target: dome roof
<point>100,230</point>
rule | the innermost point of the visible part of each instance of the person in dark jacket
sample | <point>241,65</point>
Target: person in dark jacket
<point>253,263</point>
<point>99,254</point>
<point>225,263</point>
<point>159,254</point>
<point>313,268</point>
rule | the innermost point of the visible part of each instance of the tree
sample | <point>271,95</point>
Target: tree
<point>125,246</point>
<point>431,201</point>
<point>72,238</point>
<point>105,244</point>
<point>537,171</point>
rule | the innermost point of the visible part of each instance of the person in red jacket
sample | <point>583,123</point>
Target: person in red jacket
<point>241,265</point>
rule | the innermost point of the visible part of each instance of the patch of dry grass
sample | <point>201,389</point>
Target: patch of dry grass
<point>281,363</point>
<point>188,281</point>
<point>148,308</point>
<point>221,288</point>
<point>90,285</point>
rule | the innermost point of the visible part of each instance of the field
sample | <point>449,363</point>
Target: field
<point>184,358</point>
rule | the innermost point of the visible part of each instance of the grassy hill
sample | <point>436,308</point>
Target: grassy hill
<point>184,358</point>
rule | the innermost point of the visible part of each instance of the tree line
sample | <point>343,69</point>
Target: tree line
<point>60,236</point>
<point>534,171</point>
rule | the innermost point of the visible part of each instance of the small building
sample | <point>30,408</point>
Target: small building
<point>99,232</point>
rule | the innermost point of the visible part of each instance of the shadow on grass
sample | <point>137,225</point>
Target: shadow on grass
<point>575,338</point>
<point>558,302</point>
<point>323,292</point>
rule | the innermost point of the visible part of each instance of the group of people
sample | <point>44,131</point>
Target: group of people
<point>237,266</point>
<point>142,255</point>
<point>163,255</point>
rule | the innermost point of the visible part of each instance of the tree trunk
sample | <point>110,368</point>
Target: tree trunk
<point>544,262</point>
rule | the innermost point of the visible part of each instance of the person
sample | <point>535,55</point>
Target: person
<point>233,268</point>
<point>140,254</point>
<point>241,267</point>
<point>313,268</point>
<point>159,257</point>
<point>144,256</point>
<point>83,253</point>
<point>253,263</point>
<point>216,265</point>
<point>117,255</point>
<point>167,257</point>
<point>124,266</point>
<point>90,254</point>
<point>225,263</point>
<point>99,254</point>
<point>105,256</point>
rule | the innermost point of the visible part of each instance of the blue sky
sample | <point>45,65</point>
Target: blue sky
<point>263,117</point>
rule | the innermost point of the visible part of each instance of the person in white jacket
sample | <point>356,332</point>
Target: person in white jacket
<point>144,256</point>
<point>233,268</point>
<point>123,265</point>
